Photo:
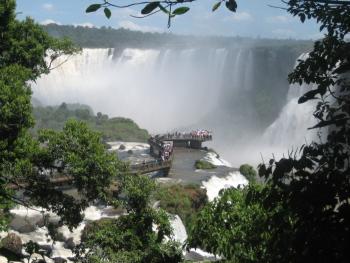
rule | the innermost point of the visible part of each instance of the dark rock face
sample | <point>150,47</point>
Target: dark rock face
<point>122,147</point>
<point>59,260</point>
<point>12,243</point>
<point>70,244</point>
<point>47,249</point>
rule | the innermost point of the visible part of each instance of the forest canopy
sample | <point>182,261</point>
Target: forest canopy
<point>108,37</point>
<point>111,129</point>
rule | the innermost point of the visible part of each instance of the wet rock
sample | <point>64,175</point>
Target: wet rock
<point>122,147</point>
<point>47,249</point>
<point>37,258</point>
<point>25,220</point>
<point>22,225</point>
<point>26,228</point>
<point>12,243</point>
<point>130,152</point>
<point>59,260</point>
<point>70,244</point>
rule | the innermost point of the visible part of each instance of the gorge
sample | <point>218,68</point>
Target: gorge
<point>237,91</point>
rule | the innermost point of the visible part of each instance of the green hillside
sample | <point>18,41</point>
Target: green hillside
<point>112,129</point>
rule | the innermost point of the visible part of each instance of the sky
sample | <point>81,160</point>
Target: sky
<point>254,18</point>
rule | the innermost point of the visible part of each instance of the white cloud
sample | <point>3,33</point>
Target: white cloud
<point>48,6</point>
<point>239,16</point>
<point>278,19</point>
<point>284,33</point>
<point>133,26</point>
<point>49,21</point>
<point>86,24</point>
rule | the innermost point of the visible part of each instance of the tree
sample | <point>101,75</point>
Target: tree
<point>249,172</point>
<point>26,52</point>
<point>131,237</point>
<point>314,187</point>
<point>233,226</point>
<point>306,194</point>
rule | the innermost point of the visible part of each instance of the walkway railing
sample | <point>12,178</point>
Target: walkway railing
<point>150,166</point>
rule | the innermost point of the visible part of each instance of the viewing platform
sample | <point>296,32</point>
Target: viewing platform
<point>141,168</point>
<point>192,140</point>
<point>149,167</point>
<point>161,148</point>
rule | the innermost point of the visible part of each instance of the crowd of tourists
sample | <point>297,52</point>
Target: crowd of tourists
<point>196,134</point>
<point>201,134</point>
<point>166,151</point>
<point>166,144</point>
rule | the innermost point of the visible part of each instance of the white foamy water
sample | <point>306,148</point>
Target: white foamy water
<point>179,229</point>
<point>214,159</point>
<point>133,146</point>
<point>215,184</point>
<point>290,130</point>
<point>27,224</point>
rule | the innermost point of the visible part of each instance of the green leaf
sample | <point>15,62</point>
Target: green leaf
<point>302,17</point>
<point>108,12</point>
<point>308,96</point>
<point>93,8</point>
<point>181,10</point>
<point>149,8</point>
<point>231,5</point>
<point>216,6</point>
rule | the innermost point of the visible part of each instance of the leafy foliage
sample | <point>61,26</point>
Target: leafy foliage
<point>121,38</point>
<point>301,214</point>
<point>111,129</point>
<point>182,200</point>
<point>202,164</point>
<point>313,187</point>
<point>152,7</point>
<point>249,172</point>
<point>132,237</point>
<point>233,226</point>
<point>26,52</point>
<point>25,43</point>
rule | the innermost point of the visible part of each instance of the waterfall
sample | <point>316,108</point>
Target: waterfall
<point>159,89</point>
<point>290,129</point>
<point>219,89</point>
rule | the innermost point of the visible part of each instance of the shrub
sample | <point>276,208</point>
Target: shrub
<point>201,164</point>
<point>248,172</point>
<point>182,200</point>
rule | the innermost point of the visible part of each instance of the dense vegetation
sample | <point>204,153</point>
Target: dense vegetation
<point>112,129</point>
<point>130,238</point>
<point>249,172</point>
<point>28,163</point>
<point>202,164</point>
<point>301,212</point>
<point>24,56</point>
<point>182,200</point>
<point>107,37</point>
<point>233,226</point>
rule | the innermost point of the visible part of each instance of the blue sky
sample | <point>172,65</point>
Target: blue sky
<point>254,18</point>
